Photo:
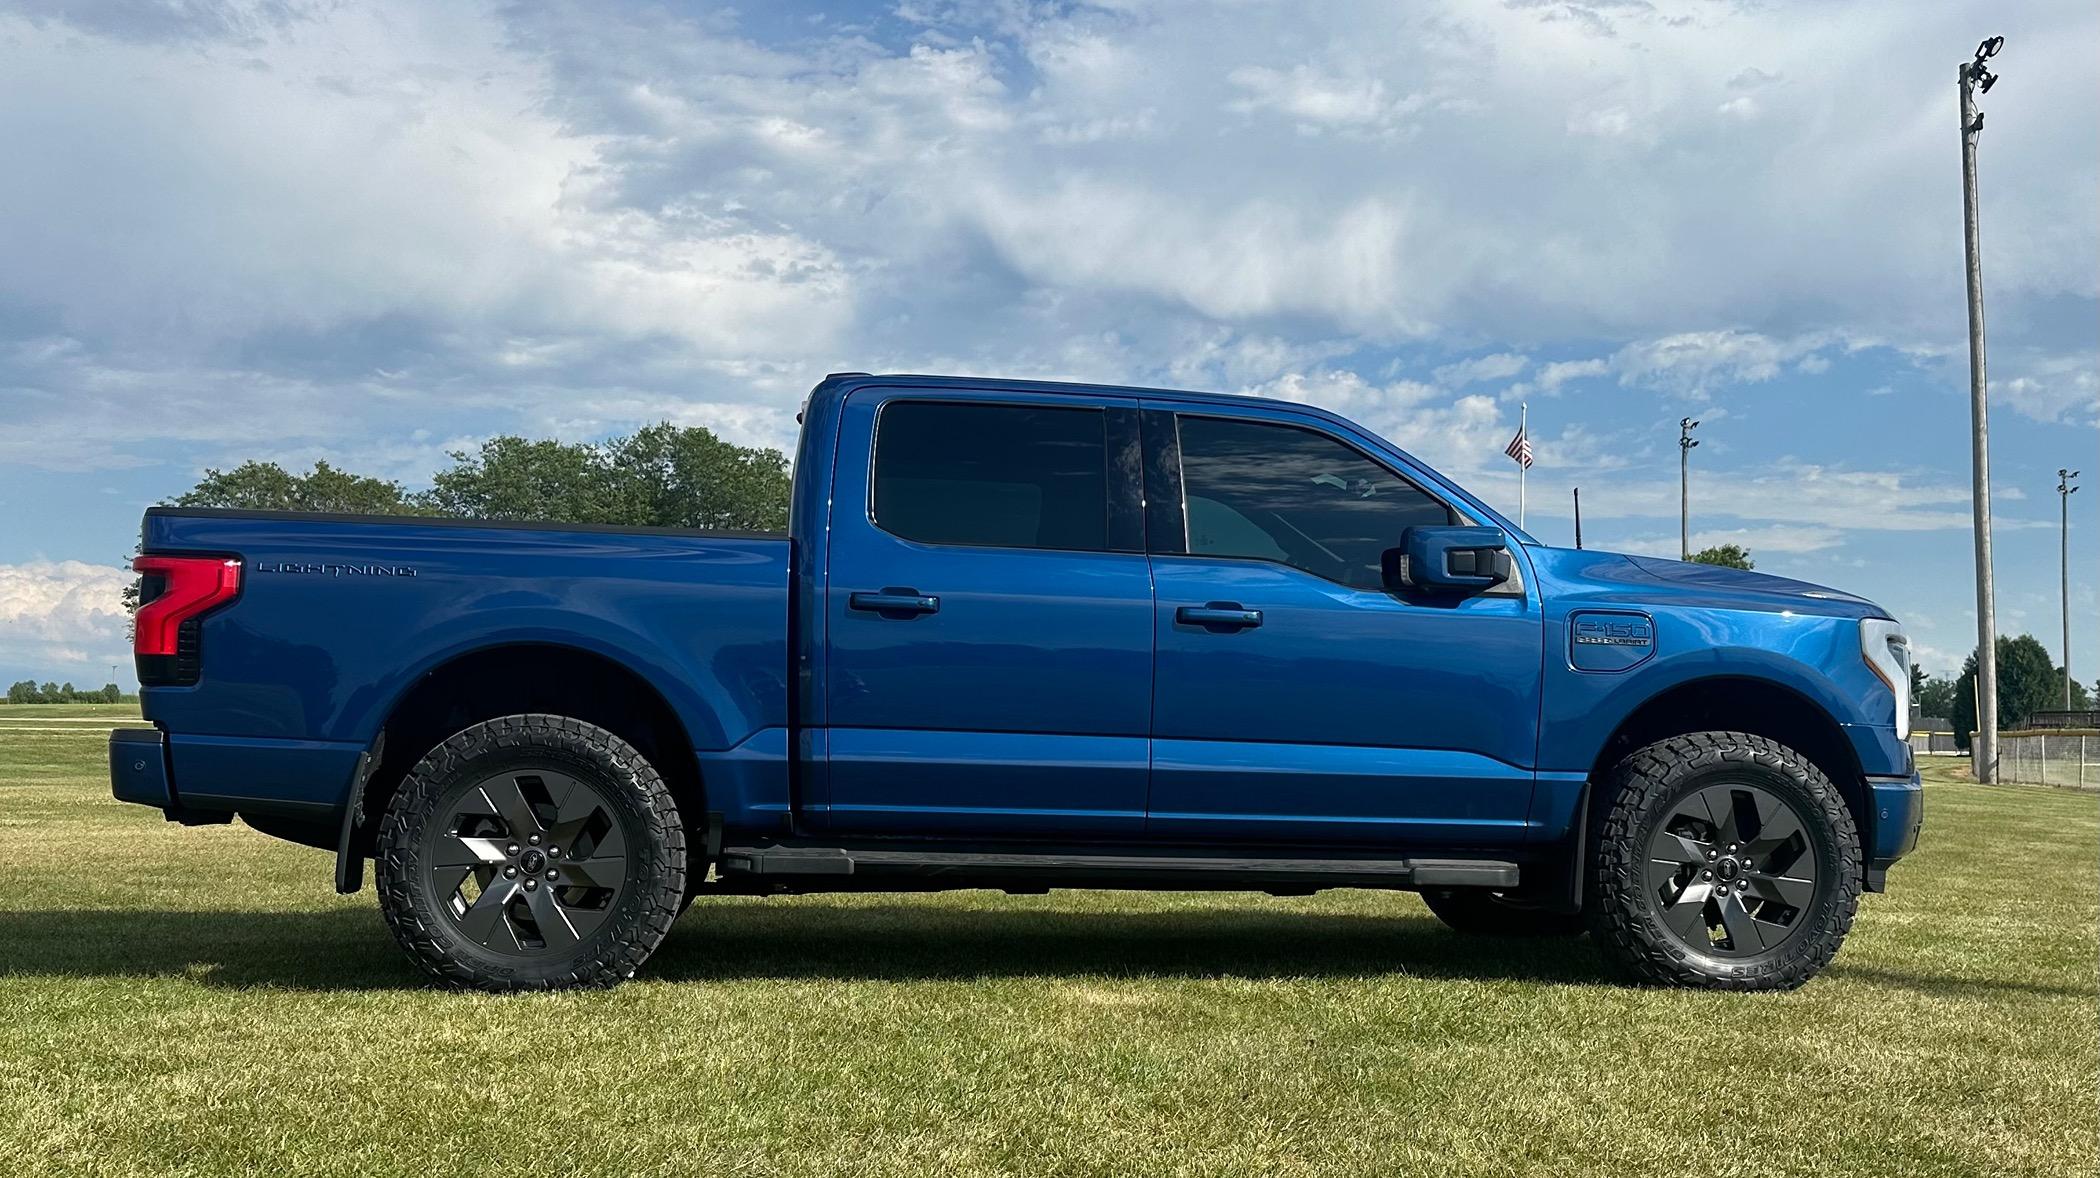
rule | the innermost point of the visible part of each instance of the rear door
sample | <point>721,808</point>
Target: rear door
<point>1295,697</point>
<point>989,616</point>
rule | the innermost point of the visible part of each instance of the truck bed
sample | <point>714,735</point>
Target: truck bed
<point>339,616</point>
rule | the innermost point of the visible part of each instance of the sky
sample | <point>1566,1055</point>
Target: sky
<point>372,233</point>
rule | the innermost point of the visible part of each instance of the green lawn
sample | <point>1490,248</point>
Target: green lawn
<point>199,1001</point>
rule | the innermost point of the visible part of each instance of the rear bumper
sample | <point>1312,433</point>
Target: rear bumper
<point>210,778</point>
<point>1899,813</point>
<point>138,767</point>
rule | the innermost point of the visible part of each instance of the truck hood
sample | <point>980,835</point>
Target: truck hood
<point>1683,583</point>
<point>1738,584</point>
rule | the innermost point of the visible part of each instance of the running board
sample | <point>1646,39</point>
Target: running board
<point>871,868</point>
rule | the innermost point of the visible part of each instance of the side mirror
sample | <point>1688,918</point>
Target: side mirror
<point>1448,560</point>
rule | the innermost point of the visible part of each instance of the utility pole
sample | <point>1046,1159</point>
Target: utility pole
<point>1684,487</point>
<point>1975,79</point>
<point>2064,491</point>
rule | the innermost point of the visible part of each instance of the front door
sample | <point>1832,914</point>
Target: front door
<point>1295,698</point>
<point>989,616</point>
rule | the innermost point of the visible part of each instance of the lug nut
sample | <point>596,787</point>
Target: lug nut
<point>1731,846</point>
<point>1712,854</point>
<point>1723,889</point>
<point>535,841</point>
<point>513,848</point>
<point>553,875</point>
<point>1706,875</point>
<point>510,871</point>
<point>553,852</point>
<point>530,884</point>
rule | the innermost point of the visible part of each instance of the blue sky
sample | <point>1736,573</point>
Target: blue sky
<point>371,233</point>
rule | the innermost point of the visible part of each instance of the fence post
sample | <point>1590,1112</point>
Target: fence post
<point>2081,761</point>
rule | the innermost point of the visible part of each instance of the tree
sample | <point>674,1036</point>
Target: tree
<point>2028,682</point>
<point>513,478</point>
<point>111,693</point>
<point>266,486</point>
<point>687,477</point>
<point>22,693</point>
<point>1731,556</point>
<point>1935,697</point>
<point>660,476</point>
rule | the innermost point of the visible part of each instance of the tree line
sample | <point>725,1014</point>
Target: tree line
<point>28,692</point>
<point>663,475</point>
<point>2029,681</point>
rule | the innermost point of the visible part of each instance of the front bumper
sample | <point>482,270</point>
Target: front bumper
<point>1898,806</point>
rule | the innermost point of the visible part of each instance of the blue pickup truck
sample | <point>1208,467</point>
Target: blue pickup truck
<point>1023,635</point>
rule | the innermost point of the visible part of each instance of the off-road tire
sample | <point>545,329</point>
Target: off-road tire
<point>633,794</point>
<point>1642,790</point>
<point>1480,912</point>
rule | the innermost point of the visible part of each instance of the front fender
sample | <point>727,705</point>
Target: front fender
<point>1814,658</point>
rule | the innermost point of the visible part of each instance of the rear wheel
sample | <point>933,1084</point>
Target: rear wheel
<point>1726,861</point>
<point>531,852</point>
<point>1480,912</point>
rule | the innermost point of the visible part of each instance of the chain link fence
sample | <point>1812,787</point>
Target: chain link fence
<point>2067,757</point>
<point>1934,744</point>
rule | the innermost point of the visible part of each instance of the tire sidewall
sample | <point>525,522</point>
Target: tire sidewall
<point>632,792</point>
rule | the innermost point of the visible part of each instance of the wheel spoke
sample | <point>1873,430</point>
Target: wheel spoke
<point>1683,848</point>
<point>466,851</point>
<point>504,798</point>
<point>486,922</point>
<point>602,871</point>
<point>562,926</point>
<point>1686,916</point>
<point>1745,935</point>
<point>1775,830</point>
<point>1792,891</point>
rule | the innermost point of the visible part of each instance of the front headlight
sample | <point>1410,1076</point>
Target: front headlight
<point>1887,650</point>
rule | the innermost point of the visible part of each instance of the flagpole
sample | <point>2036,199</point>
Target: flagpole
<point>1523,467</point>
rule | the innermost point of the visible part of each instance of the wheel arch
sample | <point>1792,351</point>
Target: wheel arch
<point>511,678</point>
<point>1741,703</point>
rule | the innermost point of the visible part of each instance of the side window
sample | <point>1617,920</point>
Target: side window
<point>1009,476</point>
<point>1276,492</point>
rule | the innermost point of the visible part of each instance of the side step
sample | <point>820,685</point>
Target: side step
<point>789,867</point>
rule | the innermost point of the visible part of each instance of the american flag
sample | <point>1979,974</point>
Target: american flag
<point>1519,449</point>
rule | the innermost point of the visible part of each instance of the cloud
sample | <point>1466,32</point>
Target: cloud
<point>65,614</point>
<point>1496,366</point>
<point>1759,540</point>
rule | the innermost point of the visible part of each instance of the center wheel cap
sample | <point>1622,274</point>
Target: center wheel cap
<point>533,861</point>
<point>1727,870</point>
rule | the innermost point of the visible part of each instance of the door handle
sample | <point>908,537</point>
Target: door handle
<point>895,602</point>
<point>1218,615</point>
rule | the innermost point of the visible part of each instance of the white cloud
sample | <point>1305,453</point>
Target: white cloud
<point>1496,366</point>
<point>62,617</point>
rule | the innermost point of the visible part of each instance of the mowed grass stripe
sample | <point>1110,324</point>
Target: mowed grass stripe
<point>198,1001</point>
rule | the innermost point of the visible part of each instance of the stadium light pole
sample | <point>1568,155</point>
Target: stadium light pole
<point>1976,79</point>
<point>2064,491</point>
<point>1685,443</point>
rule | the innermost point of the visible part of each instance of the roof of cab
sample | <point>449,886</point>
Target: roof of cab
<point>929,381</point>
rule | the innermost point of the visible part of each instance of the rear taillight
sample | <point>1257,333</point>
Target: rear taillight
<point>174,591</point>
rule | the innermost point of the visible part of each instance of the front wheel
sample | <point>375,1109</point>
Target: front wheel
<point>1726,861</point>
<point>531,852</point>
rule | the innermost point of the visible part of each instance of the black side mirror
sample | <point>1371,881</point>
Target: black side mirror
<point>1448,560</point>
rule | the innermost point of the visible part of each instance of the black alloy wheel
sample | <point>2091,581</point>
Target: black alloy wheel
<point>529,860</point>
<point>1732,870</point>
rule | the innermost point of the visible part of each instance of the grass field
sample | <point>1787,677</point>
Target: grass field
<point>194,1001</point>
